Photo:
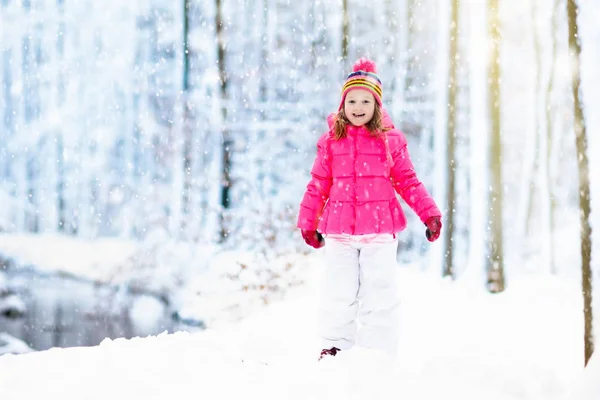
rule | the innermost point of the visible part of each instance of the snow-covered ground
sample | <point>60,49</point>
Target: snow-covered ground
<point>457,342</point>
<point>201,281</point>
<point>97,259</point>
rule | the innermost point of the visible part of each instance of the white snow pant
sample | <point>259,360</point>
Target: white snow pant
<point>359,288</point>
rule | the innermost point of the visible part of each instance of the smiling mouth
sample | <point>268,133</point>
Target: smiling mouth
<point>358,115</point>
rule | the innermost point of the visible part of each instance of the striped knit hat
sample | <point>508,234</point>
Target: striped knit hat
<point>363,76</point>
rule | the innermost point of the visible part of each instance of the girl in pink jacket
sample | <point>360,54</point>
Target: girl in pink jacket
<point>361,163</point>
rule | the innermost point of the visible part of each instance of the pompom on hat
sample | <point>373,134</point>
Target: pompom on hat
<point>363,76</point>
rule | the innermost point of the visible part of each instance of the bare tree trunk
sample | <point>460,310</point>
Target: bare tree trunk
<point>60,183</point>
<point>227,142</point>
<point>527,187</point>
<point>401,57</point>
<point>345,30</point>
<point>434,138</point>
<point>495,267</point>
<point>451,144</point>
<point>550,137</point>
<point>584,182</point>
<point>543,187</point>
<point>391,50</point>
<point>186,123</point>
<point>536,121</point>
<point>479,136</point>
<point>265,49</point>
<point>538,184</point>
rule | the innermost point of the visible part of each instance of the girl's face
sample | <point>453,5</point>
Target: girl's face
<point>359,106</point>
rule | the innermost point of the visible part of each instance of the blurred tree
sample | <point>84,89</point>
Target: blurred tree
<point>495,267</point>
<point>186,121</point>
<point>584,181</point>
<point>227,141</point>
<point>539,218</point>
<point>345,31</point>
<point>531,149</point>
<point>451,142</point>
<point>478,138</point>
<point>550,139</point>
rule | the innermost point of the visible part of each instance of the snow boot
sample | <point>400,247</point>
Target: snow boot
<point>328,352</point>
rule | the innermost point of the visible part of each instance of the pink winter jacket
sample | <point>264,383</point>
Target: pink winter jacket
<point>354,184</point>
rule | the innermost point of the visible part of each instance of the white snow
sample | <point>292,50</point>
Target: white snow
<point>457,342</point>
<point>587,386</point>
<point>94,259</point>
<point>209,285</point>
<point>145,313</point>
<point>12,345</point>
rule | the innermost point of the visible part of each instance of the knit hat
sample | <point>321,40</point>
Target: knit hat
<point>363,76</point>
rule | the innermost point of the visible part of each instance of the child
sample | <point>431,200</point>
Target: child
<point>361,163</point>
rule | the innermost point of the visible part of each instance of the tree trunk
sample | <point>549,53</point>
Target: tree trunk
<point>392,11</point>
<point>345,32</point>
<point>265,50</point>
<point>60,184</point>
<point>227,141</point>
<point>535,140</point>
<point>451,144</point>
<point>550,138</point>
<point>531,148</point>
<point>495,267</point>
<point>478,138</point>
<point>542,225</point>
<point>401,59</point>
<point>584,182</point>
<point>186,123</point>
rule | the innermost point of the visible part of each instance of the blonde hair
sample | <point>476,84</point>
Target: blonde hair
<point>374,126</point>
